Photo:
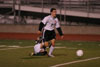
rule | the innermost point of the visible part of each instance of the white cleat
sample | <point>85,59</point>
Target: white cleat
<point>51,55</point>
<point>31,54</point>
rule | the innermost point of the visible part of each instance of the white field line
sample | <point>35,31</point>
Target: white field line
<point>73,62</point>
<point>71,48</point>
<point>16,48</point>
<point>2,45</point>
<point>65,47</point>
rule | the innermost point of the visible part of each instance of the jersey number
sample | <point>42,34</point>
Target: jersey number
<point>52,25</point>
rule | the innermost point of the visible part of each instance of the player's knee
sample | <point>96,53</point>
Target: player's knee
<point>53,44</point>
<point>46,44</point>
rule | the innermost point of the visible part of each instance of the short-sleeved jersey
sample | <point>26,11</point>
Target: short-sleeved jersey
<point>50,23</point>
<point>37,48</point>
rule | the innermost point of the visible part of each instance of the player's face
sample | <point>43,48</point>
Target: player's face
<point>53,13</point>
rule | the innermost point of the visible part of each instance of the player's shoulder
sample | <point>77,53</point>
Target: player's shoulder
<point>47,16</point>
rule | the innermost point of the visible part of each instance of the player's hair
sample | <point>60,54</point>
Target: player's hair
<point>52,9</point>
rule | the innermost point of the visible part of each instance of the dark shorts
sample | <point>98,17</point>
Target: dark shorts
<point>49,35</point>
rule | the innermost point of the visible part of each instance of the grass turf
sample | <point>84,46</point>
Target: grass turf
<point>20,58</point>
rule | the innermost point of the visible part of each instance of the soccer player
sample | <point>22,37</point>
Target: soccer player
<point>38,48</point>
<point>47,26</point>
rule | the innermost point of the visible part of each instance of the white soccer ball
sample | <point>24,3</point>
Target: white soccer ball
<point>79,53</point>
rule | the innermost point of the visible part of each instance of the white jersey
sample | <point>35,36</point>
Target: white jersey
<point>37,48</point>
<point>50,23</point>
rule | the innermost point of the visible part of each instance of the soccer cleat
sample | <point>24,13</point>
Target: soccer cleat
<point>51,55</point>
<point>31,54</point>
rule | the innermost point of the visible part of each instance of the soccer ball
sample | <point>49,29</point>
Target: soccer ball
<point>79,53</point>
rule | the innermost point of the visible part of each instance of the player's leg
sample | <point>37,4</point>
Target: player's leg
<point>52,37</point>
<point>53,42</point>
<point>52,48</point>
<point>45,45</point>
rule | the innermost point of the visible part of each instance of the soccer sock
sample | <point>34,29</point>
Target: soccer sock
<point>51,50</point>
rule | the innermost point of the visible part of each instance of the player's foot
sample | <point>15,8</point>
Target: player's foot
<point>51,55</point>
<point>31,54</point>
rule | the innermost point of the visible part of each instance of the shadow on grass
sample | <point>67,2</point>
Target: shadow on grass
<point>34,57</point>
<point>40,57</point>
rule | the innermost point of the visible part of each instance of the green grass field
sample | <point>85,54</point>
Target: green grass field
<point>15,53</point>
